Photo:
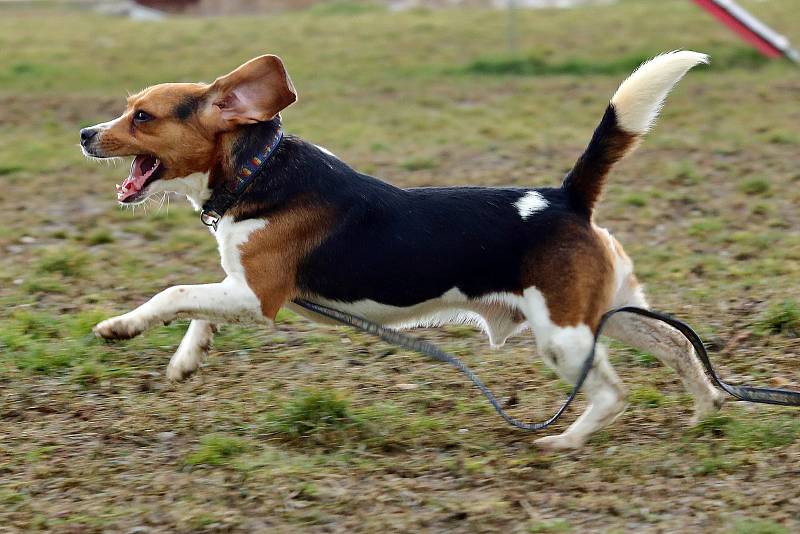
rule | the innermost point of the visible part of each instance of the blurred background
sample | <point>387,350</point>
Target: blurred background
<point>308,428</point>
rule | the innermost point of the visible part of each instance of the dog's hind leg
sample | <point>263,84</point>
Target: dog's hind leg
<point>192,350</point>
<point>564,349</point>
<point>565,352</point>
<point>673,350</point>
<point>655,337</point>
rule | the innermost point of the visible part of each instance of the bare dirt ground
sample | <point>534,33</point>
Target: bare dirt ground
<point>303,428</point>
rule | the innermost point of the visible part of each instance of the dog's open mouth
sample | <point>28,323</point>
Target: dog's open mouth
<point>144,171</point>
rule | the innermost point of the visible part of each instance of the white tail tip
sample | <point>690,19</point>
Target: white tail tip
<point>641,96</point>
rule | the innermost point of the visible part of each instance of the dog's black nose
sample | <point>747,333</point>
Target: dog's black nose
<point>86,135</point>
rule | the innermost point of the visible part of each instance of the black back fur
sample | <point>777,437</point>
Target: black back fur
<point>400,246</point>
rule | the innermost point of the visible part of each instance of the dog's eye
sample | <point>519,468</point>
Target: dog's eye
<point>141,116</point>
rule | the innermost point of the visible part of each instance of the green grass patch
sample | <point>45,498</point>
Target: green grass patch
<point>217,449</point>
<point>44,284</point>
<point>100,237</point>
<point>780,318</point>
<point>554,525</point>
<point>389,427</point>
<point>38,359</point>
<point>715,425</point>
<point>714,465</point>
<point>685,173</point>
<point>644,359</point>
<point>753,434</point>
<point>637,200</point>
<point>286,316</point>
<point>706,227</point>
<point>764,434</point>
<point>324,417</point>
<point>68,262</point>
<point>201,521</point>
<point>783,138</point>
<point>419,164</point>
<point>461,331</point>
<point>89,373</point>
<point>647,397</point>
<point>758,526</point>
<point>6,170</point>
<point>321,415</point>
<point>41,343</point>
<point>10,498</point>
<point>534,65</point>
<point>537,65</point>
<point>754,186</point>
<point>345,8</point>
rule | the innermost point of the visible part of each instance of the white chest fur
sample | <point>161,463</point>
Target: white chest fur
<point>230,236</point>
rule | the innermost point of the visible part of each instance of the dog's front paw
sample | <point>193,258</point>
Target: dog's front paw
<point>122,327</point>
<point>184,364</point>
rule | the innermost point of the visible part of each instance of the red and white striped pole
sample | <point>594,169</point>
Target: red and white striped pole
<point>762,37</point>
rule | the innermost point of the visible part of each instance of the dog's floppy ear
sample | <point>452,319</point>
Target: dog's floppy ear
<point>254,92</point>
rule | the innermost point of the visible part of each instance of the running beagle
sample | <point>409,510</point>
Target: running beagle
<point>294,221</point>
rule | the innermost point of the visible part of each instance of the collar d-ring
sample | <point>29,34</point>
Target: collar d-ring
<point>210,218</point>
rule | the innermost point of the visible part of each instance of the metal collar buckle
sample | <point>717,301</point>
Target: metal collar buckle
<point>210,218</point>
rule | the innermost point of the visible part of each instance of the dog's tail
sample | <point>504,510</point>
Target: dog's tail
<point>629,116</point>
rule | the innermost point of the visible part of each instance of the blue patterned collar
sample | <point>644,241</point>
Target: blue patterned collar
<point>227,195</point>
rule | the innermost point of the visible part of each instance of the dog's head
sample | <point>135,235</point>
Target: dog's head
<point>173,129</point>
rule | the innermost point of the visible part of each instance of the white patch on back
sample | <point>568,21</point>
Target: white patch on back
<point>530,203</point>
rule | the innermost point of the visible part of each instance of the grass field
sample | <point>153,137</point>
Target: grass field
<point>309,428</point>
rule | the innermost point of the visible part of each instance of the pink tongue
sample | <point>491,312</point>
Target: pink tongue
<point>135,181</point>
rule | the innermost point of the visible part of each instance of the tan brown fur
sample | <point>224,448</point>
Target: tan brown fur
<point>631,283</point>
<point>271,256</point>
<point>184,146</point>
<point>575,273</point>
<point>629,289</point>
<point>256,91</point>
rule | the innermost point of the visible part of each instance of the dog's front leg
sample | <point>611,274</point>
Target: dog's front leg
<point>230,301</point>
<point>192,350</point>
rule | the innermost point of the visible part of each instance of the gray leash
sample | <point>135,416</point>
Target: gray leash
<point>781,397</point>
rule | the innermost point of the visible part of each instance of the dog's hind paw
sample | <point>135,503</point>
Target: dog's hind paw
<point>707,406</point>
<point>559,443</point>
